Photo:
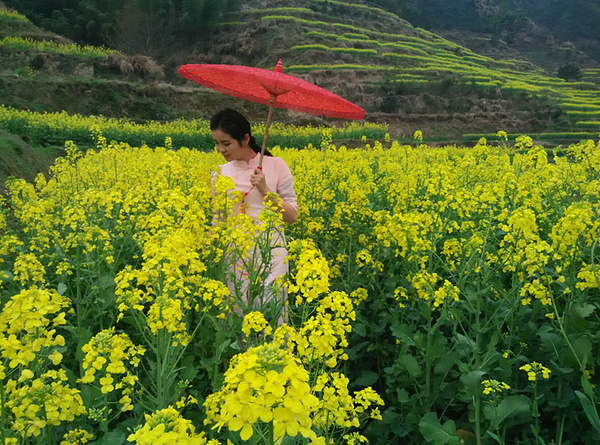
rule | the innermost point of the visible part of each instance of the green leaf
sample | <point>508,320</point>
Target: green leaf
<point>366,378</point>
<point>590,410</point>
<point>583,310</point>
<point>394,420</point>
<point>434,432</point>
<point>188,372</point>
<point>583,348</point>
<point>106,282</point>
<point>359,329</point>
<point>464,345</point>
<point>61,288</point>
<point>471,382</point>
<point>588,389</point>
<point>236,346</point>
<point>551,341</point>
<point>495,437</point>
<point>471,293</point>
<point>403,333</point>
<point>114,438</point>
<point>402,395</point>
<point>510,407</point>
<point>446,362</point>
<point>223,346</point>
<point>410,363</point>
<point>493,341</point>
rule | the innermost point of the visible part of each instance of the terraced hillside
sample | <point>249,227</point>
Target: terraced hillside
<point>386,65</point>
<point>400,74</point>
<point>44,72</point>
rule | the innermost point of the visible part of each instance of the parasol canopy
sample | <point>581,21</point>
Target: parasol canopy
<point>272,88</point>
<point>276,87</point>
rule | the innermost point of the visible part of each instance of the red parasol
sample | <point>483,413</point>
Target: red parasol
<point>272,88</point>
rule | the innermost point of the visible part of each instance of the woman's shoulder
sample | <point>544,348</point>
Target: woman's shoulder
<point>275,161</point>
<point>226,168</point>
<point>278,167</point>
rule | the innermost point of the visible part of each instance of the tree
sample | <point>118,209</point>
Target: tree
<point>143,30</point>
<point>569,72</point>
<point>506,23</point>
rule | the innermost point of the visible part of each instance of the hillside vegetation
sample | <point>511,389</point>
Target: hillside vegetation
<point>388,66</point>
<point>407,76</point>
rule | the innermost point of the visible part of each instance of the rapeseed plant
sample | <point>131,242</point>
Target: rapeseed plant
<point>168,427</point>
<point>412,263</point>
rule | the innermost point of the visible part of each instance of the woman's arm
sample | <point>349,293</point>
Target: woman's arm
<point>289,214</point>
<point>288,209</point>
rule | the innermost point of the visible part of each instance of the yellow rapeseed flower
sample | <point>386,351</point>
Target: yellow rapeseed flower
<point>535,370</point>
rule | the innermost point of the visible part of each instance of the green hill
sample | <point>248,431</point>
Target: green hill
<point>20,160</point>
<point>44,72</point>
<point>407,76</point>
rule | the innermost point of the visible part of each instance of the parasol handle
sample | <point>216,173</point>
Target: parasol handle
<point>264,144</point>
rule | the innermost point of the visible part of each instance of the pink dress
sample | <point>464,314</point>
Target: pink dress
<point>279,179</point>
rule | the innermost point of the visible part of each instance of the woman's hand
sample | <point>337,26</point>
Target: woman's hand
<point>257,179</point>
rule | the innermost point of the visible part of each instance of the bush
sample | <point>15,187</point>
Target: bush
<point>569,72</point>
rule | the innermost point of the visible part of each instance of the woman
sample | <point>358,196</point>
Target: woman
<point>272,184</point>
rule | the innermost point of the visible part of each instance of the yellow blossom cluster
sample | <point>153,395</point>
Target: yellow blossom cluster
<point>166,426</point>
<point>536,290</point>
<point>535,370</point>
<point>266,384</point>
<point>262,384</point>
<point>76,436</point>
<point>590,276</point>
<point>29,343</point>
<point>256,322</point>
<point>426,288</point>
<point>109,360</point>
<point>166,313</point>
<point>338,408</point>
<point>40,402</point>
<point>311,277</point>
<point>323,336</point>
<point>28,270</point>
<point>27,330</point>
<point>493,386</point>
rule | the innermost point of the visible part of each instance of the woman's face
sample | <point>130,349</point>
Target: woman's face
<point>231,149</point>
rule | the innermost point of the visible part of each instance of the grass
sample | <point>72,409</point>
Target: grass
<point>563,136</point>
<point>28,44</point>
<point>20,160</point>
<point>6,15</point>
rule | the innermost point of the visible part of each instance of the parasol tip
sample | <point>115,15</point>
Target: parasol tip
<point>279,67</point>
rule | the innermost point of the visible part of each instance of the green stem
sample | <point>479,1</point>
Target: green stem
<point>477,365</point>
<point>2,413</point>
<point>497,423</point>
<point>476,403</point>
<point>428,365</point>
<point>105,421</point>
<point>191,338</point>
<point>560,429</point>
<point>536,415</point>
<point>159,369</point>
<point>561,329</point>
<point>47,430</point>
<point>271,438</point>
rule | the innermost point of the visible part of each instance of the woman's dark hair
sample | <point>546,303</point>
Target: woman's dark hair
<point>235,125</point>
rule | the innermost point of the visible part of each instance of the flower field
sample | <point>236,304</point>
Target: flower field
<point>54,128</point>
<point>49,46</point>
<point>436,295</point>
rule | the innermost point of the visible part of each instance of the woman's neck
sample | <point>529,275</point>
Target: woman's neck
<point>247,155</point>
